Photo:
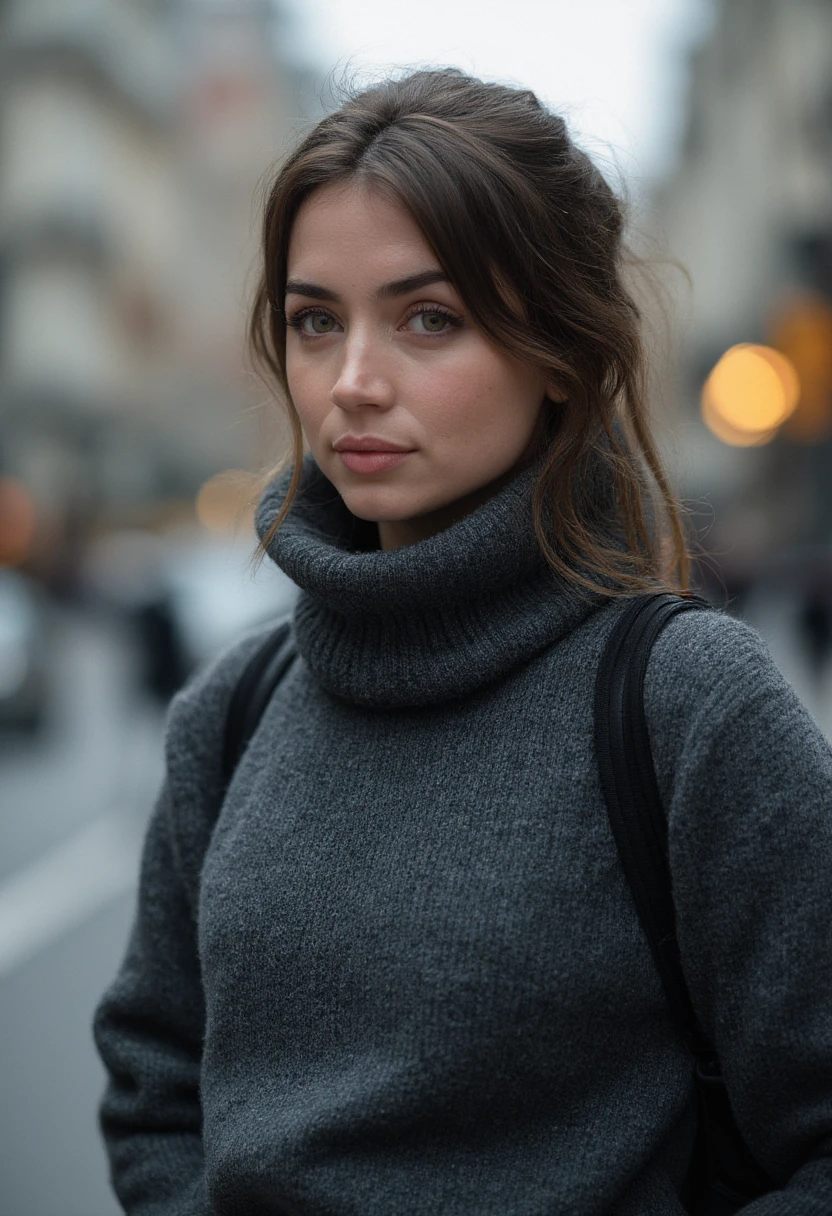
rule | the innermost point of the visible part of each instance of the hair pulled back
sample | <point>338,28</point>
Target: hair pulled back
<point>531,236</point>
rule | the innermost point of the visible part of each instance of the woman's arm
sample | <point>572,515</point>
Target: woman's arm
<point>149,1024</point>
<point>746,777</point>
<point>148,1029</point>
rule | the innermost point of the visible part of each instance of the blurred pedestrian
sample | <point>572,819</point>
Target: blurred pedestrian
<point>164,664</point>
<point>396,965</point>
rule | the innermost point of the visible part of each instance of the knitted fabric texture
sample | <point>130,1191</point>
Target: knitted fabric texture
<point>397,970</point>
<point>427,622</point>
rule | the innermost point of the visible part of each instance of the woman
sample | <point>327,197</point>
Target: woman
<point>396,967</point>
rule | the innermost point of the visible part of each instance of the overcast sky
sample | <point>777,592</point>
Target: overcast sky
<point>614,67</point>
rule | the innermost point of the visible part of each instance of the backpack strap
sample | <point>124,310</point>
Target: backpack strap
<point>260,676</point>
<point>631,791</point>
<point>724,1176</point>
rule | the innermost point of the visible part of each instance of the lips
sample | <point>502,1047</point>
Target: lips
<point>370,453</point>
<point>368,443</point>
<point>373,461</point>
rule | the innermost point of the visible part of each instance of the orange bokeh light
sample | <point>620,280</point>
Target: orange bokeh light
<point>728,434</point>
<point>802,330</point>
<point>224,502</point>
<point>749,394</point>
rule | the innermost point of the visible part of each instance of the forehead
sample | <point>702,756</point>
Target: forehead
<point>353,228</point>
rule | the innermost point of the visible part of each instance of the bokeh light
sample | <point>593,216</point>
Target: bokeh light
<point>717,425</point>
<point>802,330</point>
<point>224,504</point>
<point>750,393</point>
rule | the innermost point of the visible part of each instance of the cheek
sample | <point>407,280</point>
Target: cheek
<point>309,393</point>
<point>483,402</point>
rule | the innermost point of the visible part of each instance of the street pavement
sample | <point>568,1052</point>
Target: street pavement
<point>73,806</point>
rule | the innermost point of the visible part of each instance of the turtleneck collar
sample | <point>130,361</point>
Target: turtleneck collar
<point>425,623</point>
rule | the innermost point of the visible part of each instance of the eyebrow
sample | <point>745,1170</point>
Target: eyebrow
<point>387,291</point>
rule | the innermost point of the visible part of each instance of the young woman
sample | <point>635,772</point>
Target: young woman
<point>396,966</point>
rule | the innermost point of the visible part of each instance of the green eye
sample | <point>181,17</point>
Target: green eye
<point>321,323</point>
<point>433,322</point>
<point>311,323</point>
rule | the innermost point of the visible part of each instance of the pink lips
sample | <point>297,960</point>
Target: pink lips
<point>371,462</point>
<point>369,453</point>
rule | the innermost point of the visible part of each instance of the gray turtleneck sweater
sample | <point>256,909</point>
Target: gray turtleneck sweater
<point>397,970</point>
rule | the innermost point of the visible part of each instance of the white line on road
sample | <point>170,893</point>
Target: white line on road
<point>48,898</point>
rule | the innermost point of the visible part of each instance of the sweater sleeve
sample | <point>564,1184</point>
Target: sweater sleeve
<point>148,1029</point>
<point>149,1023</point>
<point>746,777</point>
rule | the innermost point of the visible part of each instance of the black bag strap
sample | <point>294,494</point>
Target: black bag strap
<point>629,781</point>
<point>724,1175</point>
<point>260,676</point>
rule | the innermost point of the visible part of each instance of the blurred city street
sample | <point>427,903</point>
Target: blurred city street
<point>75,794</point>
<point>74,804</point>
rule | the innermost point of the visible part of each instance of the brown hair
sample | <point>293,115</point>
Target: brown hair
<point>530,234</point>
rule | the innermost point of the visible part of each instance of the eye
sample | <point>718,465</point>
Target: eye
<point>313,322</point>
<point>429,319</point>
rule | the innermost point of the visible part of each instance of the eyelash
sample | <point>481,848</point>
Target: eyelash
<point>296,320</point>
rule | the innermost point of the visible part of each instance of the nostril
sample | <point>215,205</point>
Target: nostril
<point>356,394</point>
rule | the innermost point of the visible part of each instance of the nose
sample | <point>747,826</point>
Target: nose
<point>362,378</point>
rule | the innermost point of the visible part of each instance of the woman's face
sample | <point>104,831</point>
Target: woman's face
<point>408,409</point>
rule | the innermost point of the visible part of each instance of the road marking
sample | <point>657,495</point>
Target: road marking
<point>45,900</point>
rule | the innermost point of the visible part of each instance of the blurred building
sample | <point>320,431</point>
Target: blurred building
<point>133,134</point>
<point>748,211</point>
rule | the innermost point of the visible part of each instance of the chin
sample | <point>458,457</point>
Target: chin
<point>383,504</point>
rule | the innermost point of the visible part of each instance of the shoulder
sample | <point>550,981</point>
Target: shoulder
<point>708,656</point>
<point>718,706</point>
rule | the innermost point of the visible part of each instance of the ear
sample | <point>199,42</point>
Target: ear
<point>555,393</point>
